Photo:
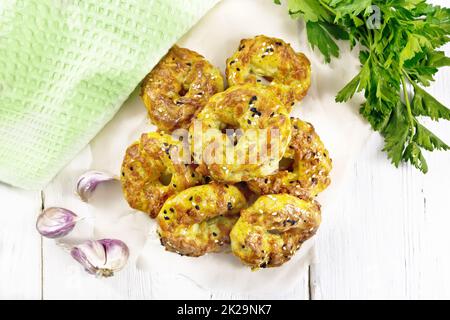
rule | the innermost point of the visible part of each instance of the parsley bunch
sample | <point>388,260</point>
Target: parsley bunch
<point>399,41</point>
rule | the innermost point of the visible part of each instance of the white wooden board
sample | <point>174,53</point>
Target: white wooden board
<point>386,238</point>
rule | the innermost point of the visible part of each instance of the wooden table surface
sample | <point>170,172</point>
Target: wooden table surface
<point>387,238</point>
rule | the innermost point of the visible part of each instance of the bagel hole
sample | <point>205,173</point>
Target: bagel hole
<point>286,164</point>
<point>183,91</point>
<point>233,134</point>
<point>165,178</point>
<point>266,80</point>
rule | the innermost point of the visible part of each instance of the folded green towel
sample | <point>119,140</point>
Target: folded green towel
<point>66,66</point>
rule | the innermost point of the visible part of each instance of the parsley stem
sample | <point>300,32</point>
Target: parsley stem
<point>407,102</point>
<point>326,6</point>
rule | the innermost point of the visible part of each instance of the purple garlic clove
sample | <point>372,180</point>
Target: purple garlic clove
<point>101,257</point>
<point>89,181</point>
<point>56,222</point>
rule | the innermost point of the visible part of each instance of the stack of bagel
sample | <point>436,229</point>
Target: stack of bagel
<point>264,208</point>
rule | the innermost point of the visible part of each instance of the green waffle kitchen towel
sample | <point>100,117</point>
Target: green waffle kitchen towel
<point>66,66</point>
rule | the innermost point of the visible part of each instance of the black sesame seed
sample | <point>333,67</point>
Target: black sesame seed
<point>131,168</point>
<point>207,179</point>
<point>232,62</point>
<point>253,109</point>
<point>266,180</point>
<point>123,174</point>
<point>227,186</point>
<point>189,64</point>
<point>190,199</point>
<point>241,47</point>
<point>214,234</point>
<point>272,114</point>
<point>278,43</point>
<point>172,210</point>
<point>229,206</point>
<point>248,121</point>
<point>238,69</point>
<point>197,207</point>
<point>243,247</point>
<point>174,185</point>
<point>165,211</point>
<point>193,175</point>
<point>292,222</point>
<point>166,218</point>
<point>296,127</point>
<point>263,265</point>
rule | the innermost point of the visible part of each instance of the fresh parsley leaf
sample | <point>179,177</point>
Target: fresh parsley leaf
<point>309,10</point>
<point>426,105</point>
<point>438,59</point>
<point>413,154</point>
<point>427,140</point>
<point>319,37</point>
<point>349,90</point>
<point>396,135</point>
<point>337,32</point>
<point>400,48</point>
<point>415,44</point>
<point>349,7</point>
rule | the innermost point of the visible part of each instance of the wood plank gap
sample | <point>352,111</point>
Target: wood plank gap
<point>309,283</point>
<point>42,248</point>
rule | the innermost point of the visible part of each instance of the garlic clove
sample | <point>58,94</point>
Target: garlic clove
<point>101,257</point>
<point>56,222</point>
<point>88,182</point>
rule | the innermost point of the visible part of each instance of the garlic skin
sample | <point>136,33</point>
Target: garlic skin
<point>88,182</point>
<point>101,257</point>
<point>56,222</point>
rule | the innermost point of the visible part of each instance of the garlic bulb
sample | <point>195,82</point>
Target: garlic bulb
<point>89,181</point>
<point>56,222</point>
<point>101,257</point>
